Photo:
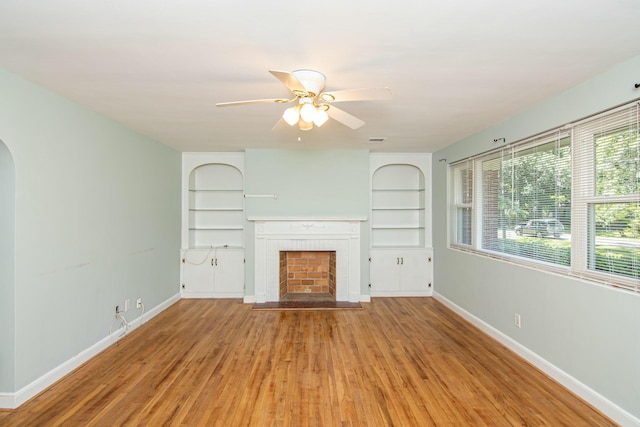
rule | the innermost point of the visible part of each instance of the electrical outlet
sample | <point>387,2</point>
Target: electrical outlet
<point>516,320</point>
<point>127,305</point>
<point>139,303</point>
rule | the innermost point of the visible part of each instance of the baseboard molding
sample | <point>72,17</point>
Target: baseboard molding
<point>594,398</point>
<point>14,400</point>
<point>212,295</point>
<point>7,401</point>
<point>395,294</point>
<point>251,299</point>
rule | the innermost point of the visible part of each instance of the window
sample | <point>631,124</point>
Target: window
<point>607,191</point>
<point>524,200</point>
<point>463,202</point>
<point>567,200</point>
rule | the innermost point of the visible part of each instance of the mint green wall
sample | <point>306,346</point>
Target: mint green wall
<point>331,183</point>
<point>7,267</point>
<point>589,331</point>
<point>97,222</point>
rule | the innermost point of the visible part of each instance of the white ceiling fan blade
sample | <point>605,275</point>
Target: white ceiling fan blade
<point>252,101</point>
<point>290,81</point>
<point>364,94</point>
<point>345,118</point>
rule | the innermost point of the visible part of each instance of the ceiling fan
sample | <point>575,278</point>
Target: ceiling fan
<point>312,105</point>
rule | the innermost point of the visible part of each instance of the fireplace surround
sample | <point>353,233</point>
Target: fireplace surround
<point>273,235</point>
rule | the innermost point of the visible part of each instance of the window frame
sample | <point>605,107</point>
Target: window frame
<point>583,199</point>
<point>586,198</point>
<point>459,202</point>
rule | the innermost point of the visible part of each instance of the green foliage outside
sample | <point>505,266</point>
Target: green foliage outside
<point>541,249</point>
<point>620,260</point>
<point>617,171</point>
<point>535,183</point>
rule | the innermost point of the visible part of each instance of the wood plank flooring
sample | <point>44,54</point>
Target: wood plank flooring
<point>397,362</point>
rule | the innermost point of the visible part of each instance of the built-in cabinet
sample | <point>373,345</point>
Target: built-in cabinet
<point>401,272</point>
<point>212,258</point>
<point>400,254</point>
<point>213,273</point>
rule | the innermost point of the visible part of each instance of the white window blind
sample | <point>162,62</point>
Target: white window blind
<point>606,211</point>
<point>526,200</point>
<point>567,200</point>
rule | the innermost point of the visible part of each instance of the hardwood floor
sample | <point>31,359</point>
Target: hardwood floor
<point>397,362</point>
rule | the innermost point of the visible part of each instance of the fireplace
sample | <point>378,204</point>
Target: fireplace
<point>338,235</point>
<point>308,275</point>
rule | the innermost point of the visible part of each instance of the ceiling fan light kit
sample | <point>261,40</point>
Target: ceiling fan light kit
<point>321,117</point>
<point>291,115</point>
<point>313,104</point>
<point>307,112</point>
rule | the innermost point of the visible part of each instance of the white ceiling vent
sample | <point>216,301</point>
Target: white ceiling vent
<point>377,139</point>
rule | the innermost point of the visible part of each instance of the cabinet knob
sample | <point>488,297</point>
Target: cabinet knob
<point>429,259</point>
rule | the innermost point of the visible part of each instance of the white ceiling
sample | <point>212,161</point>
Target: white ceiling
<point>455,67</point>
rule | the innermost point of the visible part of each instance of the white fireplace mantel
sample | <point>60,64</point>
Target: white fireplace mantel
<point>273,235</point>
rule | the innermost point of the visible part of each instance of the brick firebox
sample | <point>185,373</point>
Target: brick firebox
<point>310,273</point>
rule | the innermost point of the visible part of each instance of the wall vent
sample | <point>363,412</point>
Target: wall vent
<point>376,139</point>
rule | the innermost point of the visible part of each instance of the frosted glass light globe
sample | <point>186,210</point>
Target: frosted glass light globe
<point>291,115</point>
<point>308,112</point>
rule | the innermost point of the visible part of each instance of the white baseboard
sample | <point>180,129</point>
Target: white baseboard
<point>211,295</point>
<point>14,400</point>
<point>394,294</point>
<point>7,401</point>
<point>594,398</point>
<point>251,299</point>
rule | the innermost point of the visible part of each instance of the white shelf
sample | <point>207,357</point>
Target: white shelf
<point>397,227</point>
<point>217,210</point>
<point>216,206</point>
<point>392,190</point>
<point>215,228</point>
<point>397,207</point>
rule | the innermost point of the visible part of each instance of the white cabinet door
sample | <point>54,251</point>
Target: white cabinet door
<point>197,273</point>
<point>212,273</point>
<point>414,272</point>
<point>401,272</point>
<point>228,281</point>
<point>384,272</point>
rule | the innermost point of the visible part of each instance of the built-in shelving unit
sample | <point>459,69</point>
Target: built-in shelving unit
<point>212,232</point>
<point>216,206</point>
<point>398,207</point>
<point>400,262</point>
